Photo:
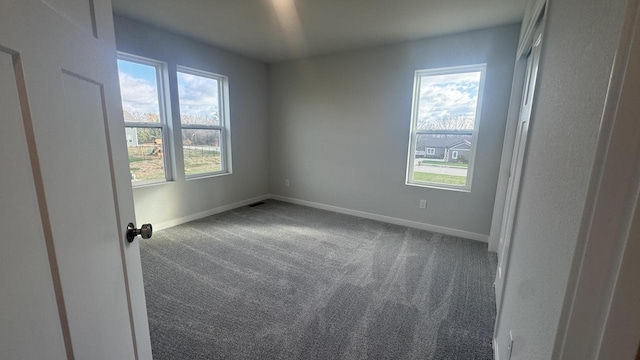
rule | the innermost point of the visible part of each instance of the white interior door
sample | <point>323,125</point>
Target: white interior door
<point>71,283</point>
<point>515,171</point>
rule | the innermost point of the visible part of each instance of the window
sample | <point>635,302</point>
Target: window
<point>444,126</point>
<point>205,127</point>
<point>203,121</point>
<point>141,87</point>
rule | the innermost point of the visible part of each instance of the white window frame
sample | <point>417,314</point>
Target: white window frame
<point>414,132</point>
<point>431,151</point>
<point>454,154</point>
<point>161,82</point>
<point>224,124</point>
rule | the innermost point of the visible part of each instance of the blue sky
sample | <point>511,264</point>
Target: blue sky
<point>143,72</point>
<point>198,95</point>
<point>139,88</point>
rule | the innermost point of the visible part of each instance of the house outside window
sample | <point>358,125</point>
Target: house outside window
<point>444,127</point>
<point>204,122</point>
<point>142,88</point>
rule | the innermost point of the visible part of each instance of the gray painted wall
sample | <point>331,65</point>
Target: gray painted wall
<point>248,114</point>
<point>579,45</point>
<point>339,127</point>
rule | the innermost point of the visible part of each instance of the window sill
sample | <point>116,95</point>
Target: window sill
<point>151,184</point>
<point>207,175</point>
<point>440,187</point>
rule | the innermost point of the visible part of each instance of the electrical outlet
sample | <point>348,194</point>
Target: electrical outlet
<point>423,204</point>
<point>510,345</point>
<point>286,183</point>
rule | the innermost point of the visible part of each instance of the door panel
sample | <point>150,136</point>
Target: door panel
<point>79,12</point>
<point>507,215</point>
<point>517,163</point>
<point>29,313</point>
<point>70,82</point>
<point>85,230</point>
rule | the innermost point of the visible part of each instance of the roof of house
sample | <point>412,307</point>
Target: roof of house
<point>462,145</point>
<point>443,142</point>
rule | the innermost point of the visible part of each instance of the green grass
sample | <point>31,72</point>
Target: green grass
<point>147,167</point>
<point>443,164</point>
<point>199,162</point>
<point>440,178</point>
<point>135,159</point>
<point>151,167</point>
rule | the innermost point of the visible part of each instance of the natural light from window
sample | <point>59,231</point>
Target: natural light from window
<point>444,126</point>
<point>144,123</point>
<point>202,122</point>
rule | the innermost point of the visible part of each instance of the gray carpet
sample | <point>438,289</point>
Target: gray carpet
<point>282,281</point>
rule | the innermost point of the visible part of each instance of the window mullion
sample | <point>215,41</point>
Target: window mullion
<point>201,127</point>
<point>144,125</point>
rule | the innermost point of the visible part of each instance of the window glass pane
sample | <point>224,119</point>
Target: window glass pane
<point>448,102</point>
<point>442,158</point>
<point>199,100</point>
<point>445,122</point>
<point>139,89</point>
<point>145,153</point>
<point>201,150</point>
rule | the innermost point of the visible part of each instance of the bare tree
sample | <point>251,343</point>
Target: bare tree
<point>447,122</point>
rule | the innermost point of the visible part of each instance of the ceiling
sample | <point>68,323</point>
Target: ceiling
<point>276,30</point>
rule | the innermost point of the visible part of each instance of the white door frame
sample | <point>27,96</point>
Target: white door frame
<point>529,59</point>
<point>517,85</point>
<point>601,312</point>
<point>533,13</point>
<point>516,170</point>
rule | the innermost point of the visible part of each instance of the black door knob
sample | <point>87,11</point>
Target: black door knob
<point>145,231</point>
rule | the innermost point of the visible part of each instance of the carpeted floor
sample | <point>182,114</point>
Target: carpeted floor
<point>282,281</point>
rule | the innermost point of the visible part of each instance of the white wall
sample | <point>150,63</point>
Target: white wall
<point>164,203</point>
<point>339,128</point>
<point>579,45</point>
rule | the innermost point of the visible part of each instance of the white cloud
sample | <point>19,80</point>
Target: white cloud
<point>138,95</point>
<point>448,98</point>
<point>198,96</point>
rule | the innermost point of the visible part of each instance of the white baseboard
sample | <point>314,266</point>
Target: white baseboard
<point>387,219</point>
<point>362,214</point>
<point>202,214</point>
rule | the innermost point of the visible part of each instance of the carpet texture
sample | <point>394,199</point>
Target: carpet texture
<point>282,281</point>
